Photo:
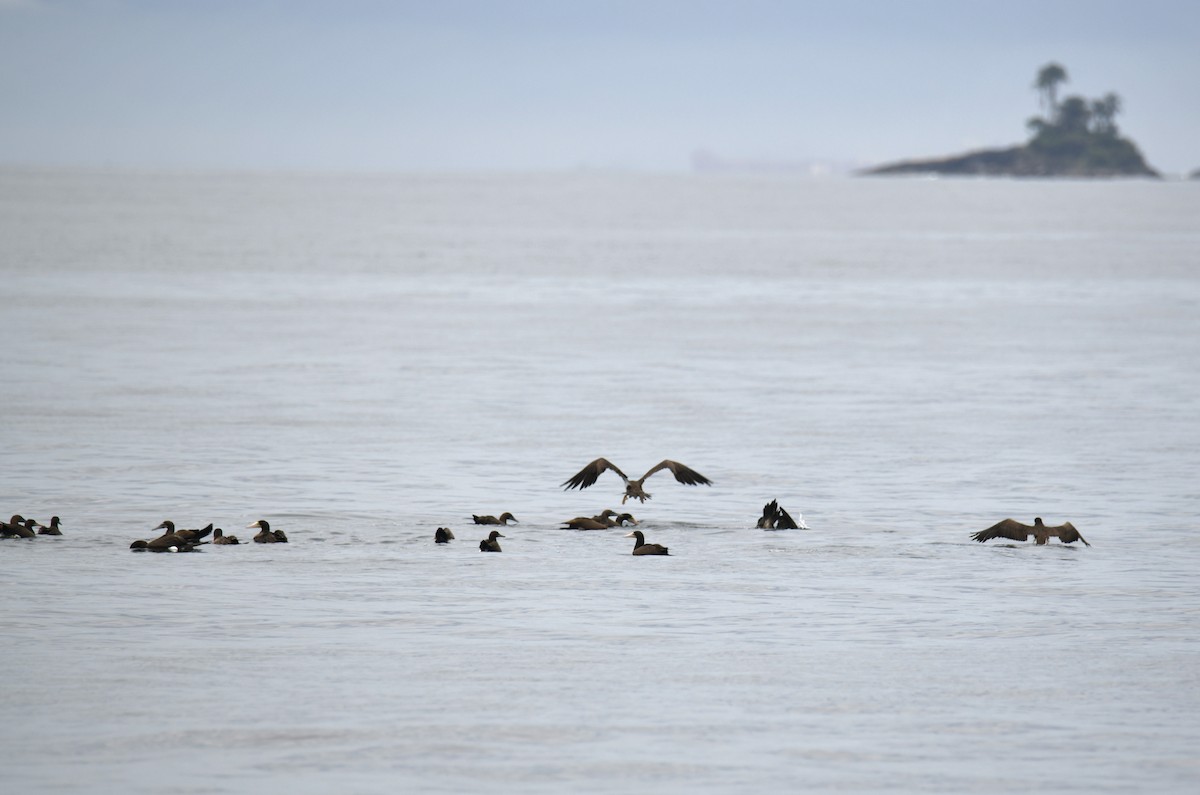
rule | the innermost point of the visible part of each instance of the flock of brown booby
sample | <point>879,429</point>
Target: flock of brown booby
<point>20,527</point>
<point>173,540</point>
<point>774,517</point>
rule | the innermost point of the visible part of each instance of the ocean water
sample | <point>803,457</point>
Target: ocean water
<point>360,359</point>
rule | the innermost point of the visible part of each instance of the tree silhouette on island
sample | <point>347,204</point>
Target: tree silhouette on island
<point>1075,138</point>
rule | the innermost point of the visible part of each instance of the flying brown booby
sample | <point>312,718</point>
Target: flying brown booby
<point>633,488</point>
<point>1011,528</point>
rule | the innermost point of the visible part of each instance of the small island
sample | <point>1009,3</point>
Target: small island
<point>1076,138</point>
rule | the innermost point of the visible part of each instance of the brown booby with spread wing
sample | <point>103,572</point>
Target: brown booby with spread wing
<point>1011,528</point>
<point>633,488</point>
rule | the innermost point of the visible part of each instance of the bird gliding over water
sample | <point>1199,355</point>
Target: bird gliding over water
<point>633,488</point>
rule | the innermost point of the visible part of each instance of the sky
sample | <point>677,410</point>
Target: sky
<point>537,85</point>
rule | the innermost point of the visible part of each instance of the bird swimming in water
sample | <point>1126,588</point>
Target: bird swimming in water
<point>775,517</point>
<point>18,527</point>
<point>169,541</point>
<point>266,535</point>
<point>640,547</point>
<point>148,546</point>
<point>50,530</point>
<point>9,529</point>
<point>504,519</point>
<point>1011,528</point>
<point>219,537</point>
<point>443,535</point>
<point>490,544</point>
<point>601,521</point>
<point>190,535</point>
<point>633,488</point>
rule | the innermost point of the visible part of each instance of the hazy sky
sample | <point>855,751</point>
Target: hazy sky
<point>553,84</point>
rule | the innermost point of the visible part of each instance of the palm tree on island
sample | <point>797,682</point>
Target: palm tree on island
<point>1048,78</point>
<point>1075,138</point>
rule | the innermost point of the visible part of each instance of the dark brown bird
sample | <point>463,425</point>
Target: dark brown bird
<point>167,542</point>
<point>149,546</point>
<point>640,547</point>
<point>266,535</point>
<point>490,544</point>
<point>601,521</point>
<point>1011,528</point>
<point>9,529</point>
<point>443,535</point>
<point>504,519</point>
<point>775,517</point>
<point>52,529</point>
<point>219,537</point>
<point>188,534</point>
<point>19,527</point>
<point>633,488</point>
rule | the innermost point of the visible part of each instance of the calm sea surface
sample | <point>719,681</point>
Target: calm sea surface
<point>362,359</point>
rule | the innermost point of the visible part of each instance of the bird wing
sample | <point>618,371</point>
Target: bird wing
<point>689,477</point>
<point>1067,533</point>
<point>588,475</point>
<point>785,521</point>
<point>768,515</point>
<point>1009,528</point>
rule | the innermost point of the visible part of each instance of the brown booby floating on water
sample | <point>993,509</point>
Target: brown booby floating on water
<point>490,544</point>
<point>601,521</point>
<point>50,530</point>
<point>266,535</point>
<point>219,537</point>
<point>443,535</point>
<point>169,541</point>
<point>640,547</point>
<point>9,529</point>
<point>504,519</point>
<point>633,488</point>
<point>18,527</point>
<point>190,535</point>
<point>1011,528</point>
